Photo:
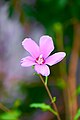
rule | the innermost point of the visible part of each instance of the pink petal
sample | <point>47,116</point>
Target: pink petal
<point>27,61</point>
<point>42,69</point>
<point>55,58</point>
<point>31,47</point>
<point>46,45</point>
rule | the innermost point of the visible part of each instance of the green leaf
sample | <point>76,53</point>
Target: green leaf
<point>46,80</point>
<point>77,116</point>
<point>43,107</point>
<point>10,115</point>
<point>54,99</point>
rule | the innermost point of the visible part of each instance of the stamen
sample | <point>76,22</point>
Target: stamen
<point>40,60</point>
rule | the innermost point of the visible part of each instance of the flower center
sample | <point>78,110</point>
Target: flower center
<point>40,60</point>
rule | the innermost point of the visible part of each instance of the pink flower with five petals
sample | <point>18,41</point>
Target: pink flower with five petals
<point>39,55</point>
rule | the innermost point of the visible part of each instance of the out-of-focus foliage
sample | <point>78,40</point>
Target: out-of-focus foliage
<point>78,90</point>
<point>54,15</point>
<point>49,11</point>
<point>31,95</point>
<point>77,116</point>
<point>60,83</point>
<point>11,115</point>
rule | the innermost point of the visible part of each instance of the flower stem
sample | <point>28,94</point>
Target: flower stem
<point>51,98</point>
<point>5,109</point>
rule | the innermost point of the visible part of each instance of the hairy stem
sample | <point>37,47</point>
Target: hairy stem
<point>51,98</point>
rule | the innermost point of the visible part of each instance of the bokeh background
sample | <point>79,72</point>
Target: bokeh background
<point>19,87</point>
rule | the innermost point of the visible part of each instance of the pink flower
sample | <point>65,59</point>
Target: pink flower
<point>39,55</point>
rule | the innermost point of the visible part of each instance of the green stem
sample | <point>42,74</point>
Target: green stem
<point>46,80</point>
<point>50,96</point>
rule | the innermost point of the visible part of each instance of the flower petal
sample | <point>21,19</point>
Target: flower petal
<point>31,47</point>
<point>55,58</point>
<point>27,61</point>
<point>42,69</point>
<point>46,45</point>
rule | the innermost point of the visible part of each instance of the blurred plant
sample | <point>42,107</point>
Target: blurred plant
<point>77,116</point>
<point>10,115</point>
<point>78,90</point>
<point>4,108</point>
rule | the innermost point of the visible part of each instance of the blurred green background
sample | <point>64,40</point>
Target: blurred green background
<point>19,87</point>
